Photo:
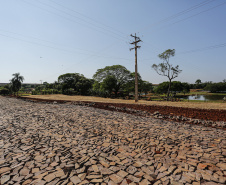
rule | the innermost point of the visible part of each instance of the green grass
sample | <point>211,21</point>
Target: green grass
<point>224,94</point>
<point>201,93</point>
<point>24,94</point>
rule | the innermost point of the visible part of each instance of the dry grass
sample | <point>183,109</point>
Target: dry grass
<point>200,105</point>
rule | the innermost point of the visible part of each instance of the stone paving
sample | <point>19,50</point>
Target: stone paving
<point>51,144</point>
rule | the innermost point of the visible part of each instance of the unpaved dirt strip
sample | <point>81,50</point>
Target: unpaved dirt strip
<point>44,143</point>
<point>199,105</point>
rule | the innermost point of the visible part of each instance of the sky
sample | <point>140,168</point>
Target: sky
<point>43,39</point>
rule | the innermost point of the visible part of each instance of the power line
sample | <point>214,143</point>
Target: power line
<point>180,13</point>
<point>104,31</point>
<point>199,49</point>
<point>32,37</point>
<point>35,43</point>
<point>64,50</point>
<point>204,49</point>
<point>80,19</point>
<point>87,17</point>
<point>193,16</point>
<point>196,14</point>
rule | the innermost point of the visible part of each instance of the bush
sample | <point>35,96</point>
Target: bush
<point>4,91</point>
<point>216,87</point>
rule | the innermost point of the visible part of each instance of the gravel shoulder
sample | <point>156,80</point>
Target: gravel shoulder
<point>43,143</point>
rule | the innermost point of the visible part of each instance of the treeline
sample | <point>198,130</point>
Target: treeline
<point>14,86</point>
<point>111,81</point>
<point>216,87</point>
<point>210,86</point>
<point>184,87</point>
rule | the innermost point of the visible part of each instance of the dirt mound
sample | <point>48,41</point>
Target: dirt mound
<point>194,113</point>
<point>212,114</point>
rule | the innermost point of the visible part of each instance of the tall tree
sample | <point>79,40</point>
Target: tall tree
<point>146,87</point>
<point>76,82</point>
<point>108,84</point>
<point>143,86</point>
<point>16,82</point>
<point>198,82</point>
<point>118,76</point>
<point>167,69</point>
<point>129,86</point>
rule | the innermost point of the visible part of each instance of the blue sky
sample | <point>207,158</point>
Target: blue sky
<point>43,39</point>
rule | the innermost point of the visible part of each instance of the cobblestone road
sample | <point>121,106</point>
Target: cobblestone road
<point>71,144</point>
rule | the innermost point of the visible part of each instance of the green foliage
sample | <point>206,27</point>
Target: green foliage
<point>16,82</point>
<point>112,78</point>
<point>130,85</point>
<point>4,91</point>
<point>46,91</point>
<point>198,84</point>
<point>216,87</point>
<point>146,87</point>
<point>75,84</point>
<point>143,86</point>
<point>162,88</point>
<point>186,87</point>
<point>109,84</point>
<point>176,87</point>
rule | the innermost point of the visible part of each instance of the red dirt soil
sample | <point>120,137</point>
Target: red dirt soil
<point>202,114</point>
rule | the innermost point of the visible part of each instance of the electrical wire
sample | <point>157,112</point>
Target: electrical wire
<point>86,17</point>
<point>179,14</point>
<point>90,23</point>
<point>189,18</point>
<point>196,14</point>
<point>203,49</point>
<point>64,50</point>
<point>106,32</point>
<point>32,37</point>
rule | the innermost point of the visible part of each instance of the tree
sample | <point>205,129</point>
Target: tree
<point>119,77</point>
<point>176,87</point>
<point>167,69</point>
<point>130,85</point>
<point>16,82</point>
<point>198,82</point>
<point>186,88</point>
<point>108,84</point>
<point>162,88</point>
<point>146,87</point>
<point>75,83</point>
<point>216,87</point>
<point>143,86</point>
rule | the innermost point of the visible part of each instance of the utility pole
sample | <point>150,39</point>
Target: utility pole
<point>137,40</point>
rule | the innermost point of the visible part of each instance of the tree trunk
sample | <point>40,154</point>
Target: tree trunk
<point>168,92</point>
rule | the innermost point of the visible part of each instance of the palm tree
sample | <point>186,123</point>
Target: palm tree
<point>16,82</point>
